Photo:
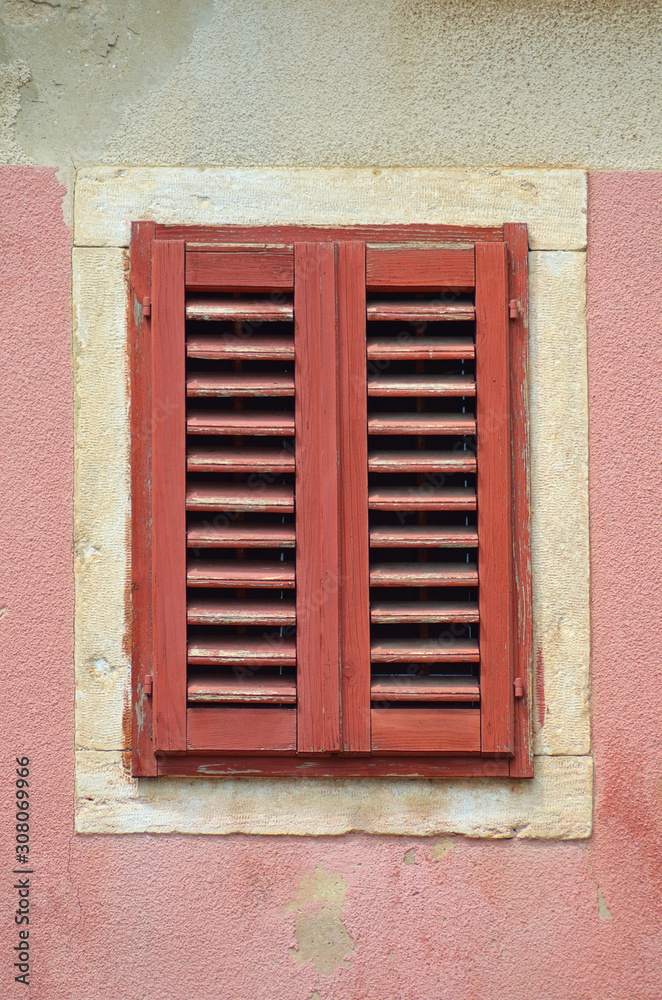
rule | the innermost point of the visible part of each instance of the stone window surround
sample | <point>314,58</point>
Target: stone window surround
<point>557,802</point>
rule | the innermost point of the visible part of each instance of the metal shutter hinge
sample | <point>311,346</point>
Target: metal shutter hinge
<point>513,308</point>
<point>149,685</point>
<point>518,684</point>
<point>147,306</point>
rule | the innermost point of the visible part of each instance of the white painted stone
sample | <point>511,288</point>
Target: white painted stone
<point>552,202</point>
<point>557,803</point>
<point>101,518</point>
<point>559,499</point>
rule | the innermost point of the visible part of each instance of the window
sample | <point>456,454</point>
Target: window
<point>330,570</point>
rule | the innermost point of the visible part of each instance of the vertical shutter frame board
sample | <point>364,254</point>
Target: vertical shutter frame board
<point>316,498</point>
<point>354,577</point>
<point>144,763</point>
<point>168,427</point>
<point>516,237</point>
<point>494,498</point>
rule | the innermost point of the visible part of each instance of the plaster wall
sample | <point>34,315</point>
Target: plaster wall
<point>177,917</point>
<point>348,83</point>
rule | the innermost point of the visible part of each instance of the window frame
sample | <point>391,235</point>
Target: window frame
<point>145,761</point>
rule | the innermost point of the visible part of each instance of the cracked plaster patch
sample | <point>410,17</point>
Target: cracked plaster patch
<point>13,76</point>
<point>557,803</point>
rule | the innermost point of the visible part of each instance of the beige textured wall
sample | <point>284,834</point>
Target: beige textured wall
<point>349,83</point>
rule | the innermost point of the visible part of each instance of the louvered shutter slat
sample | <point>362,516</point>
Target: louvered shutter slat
<point>237,384</point>
<point>240,535</point>
<point>422,348</point>
<point>421,423</point>
<point>245,612</point>
<point>240,573</point>
<point>264,460</point>
<point>384,612</point>
<point>233,347</point>
<point>423,535</point>
<point>416,385</point>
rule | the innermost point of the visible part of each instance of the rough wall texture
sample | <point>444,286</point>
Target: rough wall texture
<point>179,918</point>
<point>353,82</point>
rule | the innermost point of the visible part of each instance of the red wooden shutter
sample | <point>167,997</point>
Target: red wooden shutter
<point>325,421</point>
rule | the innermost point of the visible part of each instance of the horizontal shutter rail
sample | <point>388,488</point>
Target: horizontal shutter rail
<point>443,424</point>
<point>234,347</point>
<point>240,573</point>
<point>219,309</point>
<point>419,268</point>
<point>420,312</point>
<point>419,385</point>
<point>421,461</point>
<point>203,687</point>
<point>238,649</point>
<point>265,460</point>
<point>420,730</point>
<point>247,728</point>
<point>239,384</point>
<point>422,498</point>
<point>240,497</point>
<point>413,688</point>
<point>424,651</point>
<point>261,270</point>
<point>240,535</point>
<point>431,612</point>
<point>422,535</point>
<point>240,422</point>
<point>241,612</point>
<point>414,348</point>
<point>423,574</point>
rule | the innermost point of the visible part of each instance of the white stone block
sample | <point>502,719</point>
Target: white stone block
<point>559,500</point>
<point>551,202</point>
<point>101,497</point>
<point>557,803</point>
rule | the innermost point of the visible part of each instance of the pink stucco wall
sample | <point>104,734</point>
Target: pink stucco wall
<point>186,918</point>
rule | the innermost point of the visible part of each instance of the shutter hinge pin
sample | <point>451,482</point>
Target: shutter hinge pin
<point>513,308</point>
<point>147,306</point>
<point>518,684</point>
<point>149,685</point>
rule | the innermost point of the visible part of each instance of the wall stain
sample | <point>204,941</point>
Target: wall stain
<point>603,910</point>
<point>441,848</point>
<point>321,936</point>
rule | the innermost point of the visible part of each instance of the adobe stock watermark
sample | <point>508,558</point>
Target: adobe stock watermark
<point>22,873</point>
